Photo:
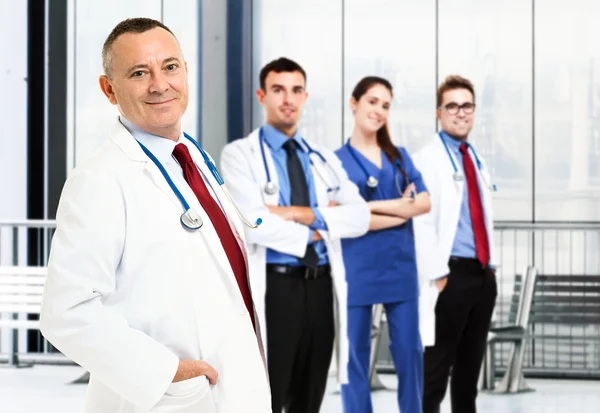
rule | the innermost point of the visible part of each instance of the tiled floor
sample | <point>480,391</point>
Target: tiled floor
<point>45,389</point>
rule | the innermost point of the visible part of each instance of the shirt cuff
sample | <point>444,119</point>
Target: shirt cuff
<point>319,221</point>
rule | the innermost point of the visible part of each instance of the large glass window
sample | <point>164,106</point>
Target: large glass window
<point>567,110</point>
<point>394,39</point>
<point>489,42</point>
<point>310,33</point>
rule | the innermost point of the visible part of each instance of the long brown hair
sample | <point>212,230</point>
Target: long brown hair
<point>384,139</point>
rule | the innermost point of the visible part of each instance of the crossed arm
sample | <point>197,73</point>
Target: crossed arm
<point>393,212</point>
<point>384,213</point>
<point>300,214</point>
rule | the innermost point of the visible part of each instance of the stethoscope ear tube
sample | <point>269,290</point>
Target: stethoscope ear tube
<point>458,176</point>
<point>270,188</point>
<point>215,172</point>
<point>190,219</point>
<point>240,214</point>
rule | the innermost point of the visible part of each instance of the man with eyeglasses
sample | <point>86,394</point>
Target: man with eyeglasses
<point>454,252</point>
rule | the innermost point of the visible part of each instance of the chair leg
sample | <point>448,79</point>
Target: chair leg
<point>13,350</point>
<point>83,379</point>
<point>374,381</point>
<point>13,347</point>
<point>513,380</point>
<point>517,380</point>
<point>489,368</point>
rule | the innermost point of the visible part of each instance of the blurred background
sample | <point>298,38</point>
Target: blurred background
<point>535,66</point>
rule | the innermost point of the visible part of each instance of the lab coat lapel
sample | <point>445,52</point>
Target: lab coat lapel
<point>259,167</point>
<point>319,170</point>
<point>160,181</point>
<point>320,188</point>
<point>122,138</point>
<point>452,191</point>
<point>486,193</point>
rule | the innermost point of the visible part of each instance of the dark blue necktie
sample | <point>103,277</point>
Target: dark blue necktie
<point>300,197</point>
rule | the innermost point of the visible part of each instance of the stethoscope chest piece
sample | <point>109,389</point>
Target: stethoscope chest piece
<point>372,182</point>
<point>270,188</point>
<point>191,220</point>
<point>457,176</point>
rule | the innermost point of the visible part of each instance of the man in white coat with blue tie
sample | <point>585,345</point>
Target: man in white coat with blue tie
<point>455,250</point>
<point>297,272</point>
<point>147,283</point>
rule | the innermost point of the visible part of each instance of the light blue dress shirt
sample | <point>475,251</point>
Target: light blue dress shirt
<point>464,240</point>
<point>275,140</point>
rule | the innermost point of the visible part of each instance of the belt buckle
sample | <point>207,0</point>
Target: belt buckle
<point>310,273</point>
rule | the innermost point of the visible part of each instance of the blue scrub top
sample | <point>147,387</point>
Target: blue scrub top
<point>381,266</point>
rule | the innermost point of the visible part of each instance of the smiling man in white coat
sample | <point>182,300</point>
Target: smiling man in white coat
<point>297,271</point>
<point>455,249</point>
<point>153,303</point>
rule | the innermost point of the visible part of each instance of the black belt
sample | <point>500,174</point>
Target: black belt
<point>469,262</point>
<point>305,272</point>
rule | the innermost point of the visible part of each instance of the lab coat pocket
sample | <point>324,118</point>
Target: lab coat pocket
<point>427,302</point>
<point>187,396</point>
<point>242,384</point>
<point>186,387</point>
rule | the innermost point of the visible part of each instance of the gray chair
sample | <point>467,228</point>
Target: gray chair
<point>516,333</point>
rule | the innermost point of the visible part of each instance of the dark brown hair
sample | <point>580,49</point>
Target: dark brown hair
<point>135,25</point>
<point>454,82</point>
<point>283,64</point>
<point>384,139</point>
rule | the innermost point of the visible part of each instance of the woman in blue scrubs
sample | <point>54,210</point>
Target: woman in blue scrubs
<point>381,266</point>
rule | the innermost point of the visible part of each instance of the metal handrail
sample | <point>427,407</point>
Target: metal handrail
<point>532,226</point>
<point>540,225</point>
<point>29,223</point>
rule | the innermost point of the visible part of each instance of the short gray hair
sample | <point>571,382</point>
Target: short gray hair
<point>134,25</point>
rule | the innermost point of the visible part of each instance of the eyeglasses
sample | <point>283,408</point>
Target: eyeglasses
<point>453,108</point>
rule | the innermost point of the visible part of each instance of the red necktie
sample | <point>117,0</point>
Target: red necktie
<point>214,212</point>
<point>482,246</point>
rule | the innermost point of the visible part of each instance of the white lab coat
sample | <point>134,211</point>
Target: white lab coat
<point>435,231</point>
<point>130,292</point>
<point>245,176</point>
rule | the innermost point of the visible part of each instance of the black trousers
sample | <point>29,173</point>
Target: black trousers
<point>463,313</point>
<point>300,334</point>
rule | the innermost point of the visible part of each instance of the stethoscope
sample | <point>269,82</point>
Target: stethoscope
<point>271,188</point>
<point>190,219</point>
<point>373,182</point>
<point>459,176</point>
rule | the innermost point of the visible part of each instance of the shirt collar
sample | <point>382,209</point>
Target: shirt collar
<point>451,141</point>
<point>275,139</point>
<point>161,148</point>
